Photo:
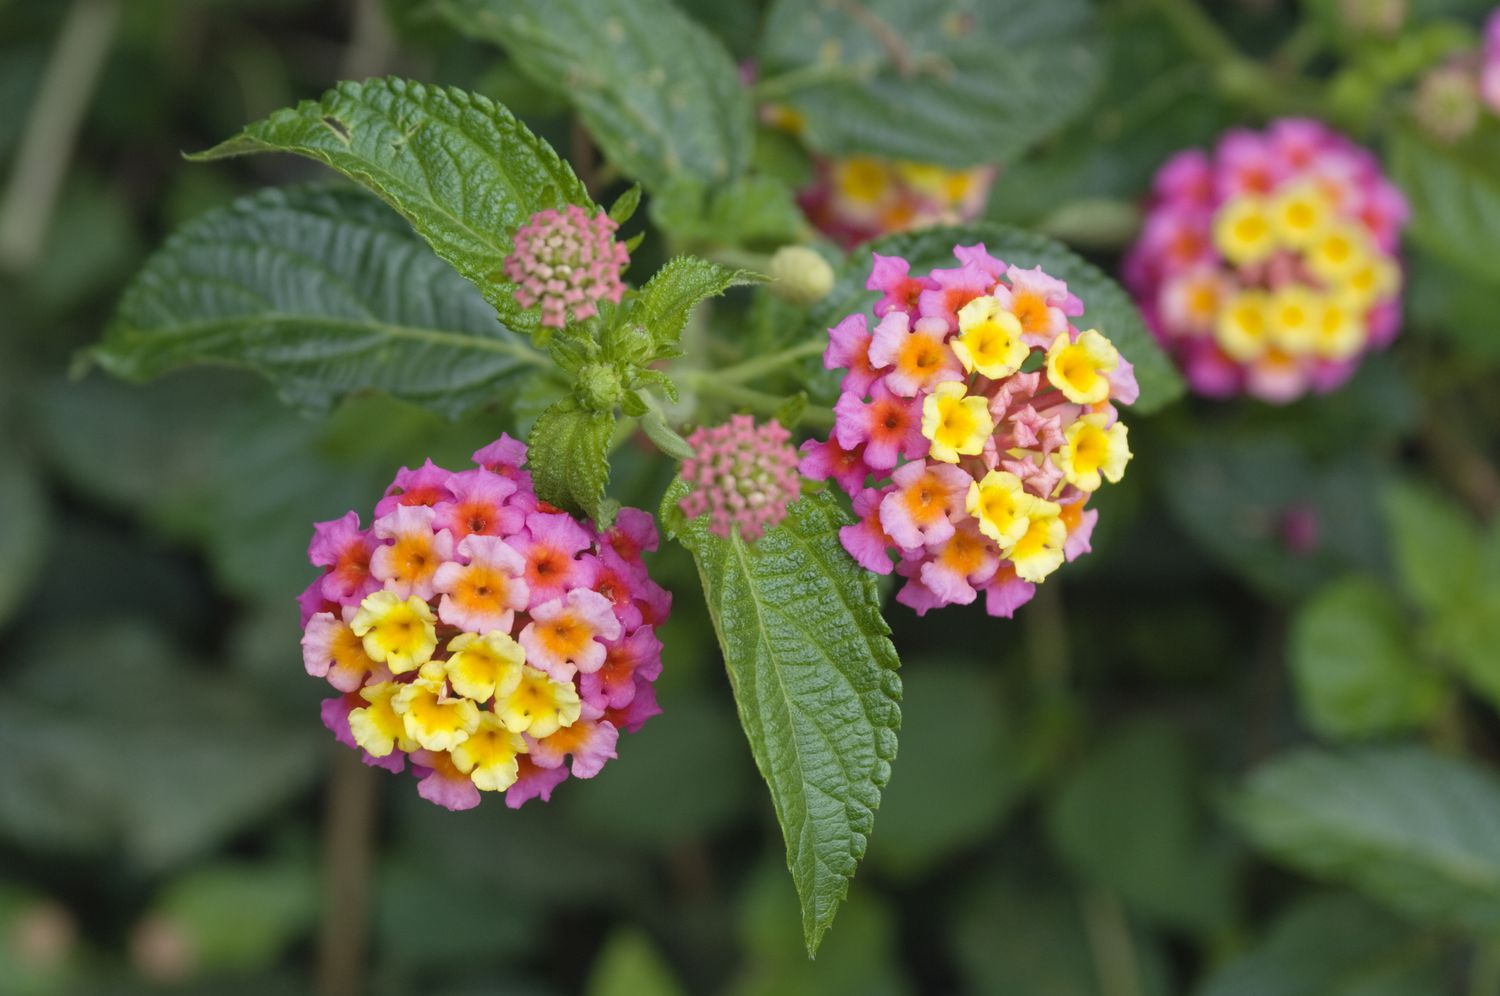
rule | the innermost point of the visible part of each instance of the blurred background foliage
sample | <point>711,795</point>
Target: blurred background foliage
<point>1246,749</point>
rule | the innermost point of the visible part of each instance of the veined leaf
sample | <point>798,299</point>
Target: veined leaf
<point>1107,307</point>
<point>670,295</point>
<point>814,678</point>
<point>569,457</point>
<point>458,166</point>
<point>1415,830</point>
<point>962,84</point>
<point>1455,198</point>
<point>325,292</point>
<point>657,91</point>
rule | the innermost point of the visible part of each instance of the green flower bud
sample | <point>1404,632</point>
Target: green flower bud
<point>800,275</point>
<point>1447,103</point>
<point>599,387</point>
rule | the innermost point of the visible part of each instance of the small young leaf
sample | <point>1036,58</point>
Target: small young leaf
<point>814,678</point>
<point>458,166</point>
<point>325,292</point>
<point>669,296</point>
<point>1107,307</point>
<point>1435,543</point>
<point>658,93</point>
<point>623,209</point>
<point>1415,830</point>
<point>1357,673</point>
<point>569,458</point>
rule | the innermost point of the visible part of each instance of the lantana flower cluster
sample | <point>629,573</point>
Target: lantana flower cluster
<point>975,422</point>
<point>858,198</point>
<point>1270,266</point>
<point>483,634</point>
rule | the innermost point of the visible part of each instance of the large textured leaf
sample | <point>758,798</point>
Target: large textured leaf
<point>458,166</point>
<point>1107,307</point>
<point>324,291</point>
<point>1356,670</point>
<point>960,83</point>
<point>569,457</point>
<point>658,92</point>
<point>1455,197</point>
<point>670,295</point>
<point>1415,830</point>
<point>814,677</point>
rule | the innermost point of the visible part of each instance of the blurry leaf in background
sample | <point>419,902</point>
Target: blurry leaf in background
<point>1454,192</point>
<point>1357,671</point>
<point>1451,303</point>
<point>1021,933</point>
<point>1107,307</point>
<point>23,530</point>
<point>630,965</point>
<point>90,247</point>
<point>416,933</point>
<point>1334,945</point>
<point>459,167</point>
<point>40,952</point>
<point>1280,519</point>
<point>1127,819</point>
<point>858,955</point>
<point>239,916</point>
<point>656,90</point>
<point>814,677</point>
<point>958,742</point>
<point>116,743</point>
<point>749,211</point>
<point>324,291</point>
<point>1415,830</point>
<point>959,84</point>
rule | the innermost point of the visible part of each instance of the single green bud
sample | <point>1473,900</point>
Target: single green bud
<point>1373,17</point>
<point>800,275</point>
<point>1447,103</point>
<point>599,387</point>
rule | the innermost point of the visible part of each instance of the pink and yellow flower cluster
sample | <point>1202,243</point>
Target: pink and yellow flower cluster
<point>975,423</point>
<point>858,198</point>
<point>1270,267</point>
<point>483,633</point>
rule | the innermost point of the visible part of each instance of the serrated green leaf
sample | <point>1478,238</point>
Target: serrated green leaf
<point>326,293</point>
<point>1436,545</point>
<point>1334,945</point>
<point>569,457</point>
<point>458,166</point>
<point>1356,670</point>
<point>1412,829</point>
<point>668,298</point>
<point>1107,307</point>
<point>930,80</point>
<point>658,93</point>
<point>814,678</point>
<point>1454,191</point>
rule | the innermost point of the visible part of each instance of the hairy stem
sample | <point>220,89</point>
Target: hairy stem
<point>761,365</point>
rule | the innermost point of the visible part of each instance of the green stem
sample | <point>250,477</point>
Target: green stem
<point>759,402</point>
<point>760,365</point>
<point>1115,963</point>
<point>1484,974</point>
<point>1198,31</point>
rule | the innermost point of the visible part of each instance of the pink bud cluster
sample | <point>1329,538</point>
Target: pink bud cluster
<point>1269,266</point>
<point>483,633</point>
<point>972,428</point>
<point>566,260</point>
<point>856,199</point>
<point>742,476</point>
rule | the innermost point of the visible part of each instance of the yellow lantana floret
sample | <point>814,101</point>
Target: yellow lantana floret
<point>955,423</point>
<point>1080,370</point>
<point>989,339</point>
<point>1341,329</point>
<point>1338,252</point>
<point>539,705</point>
<point>376,727</point>
<point>1292,317</point>
<point>1300,214</point>
<point>1376,278</point>
<point>488,757</point>
<point>1039,551</point>
<point>1002,506</point>
<point>484,666</point>
<point>1241,330</point>
<point>1093,452</point>
<point>431,717</point>
<point>1242,230</point>
<point>398,633</point>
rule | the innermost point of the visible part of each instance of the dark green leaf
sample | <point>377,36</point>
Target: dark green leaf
<point>750,211</point>
<point>1415,830</point>
<point>1435,543</point>
<point>325,292</point>
<point>241,916</point>
<point>658,93</point>
<point>1454,192</point>
<point>458,166</point>
<point>814,677</point>
<point>569,457</point>
<point>1107,307</point>
<point>23,531</point>
<point>1356,670</point>
<point>933,81</point>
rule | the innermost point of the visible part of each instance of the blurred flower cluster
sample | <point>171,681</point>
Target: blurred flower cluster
<point>1270,266</point>
<point>986,419</point>
<point>1452,97</point>
<point>483,633</point>
<point>859,197</point>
